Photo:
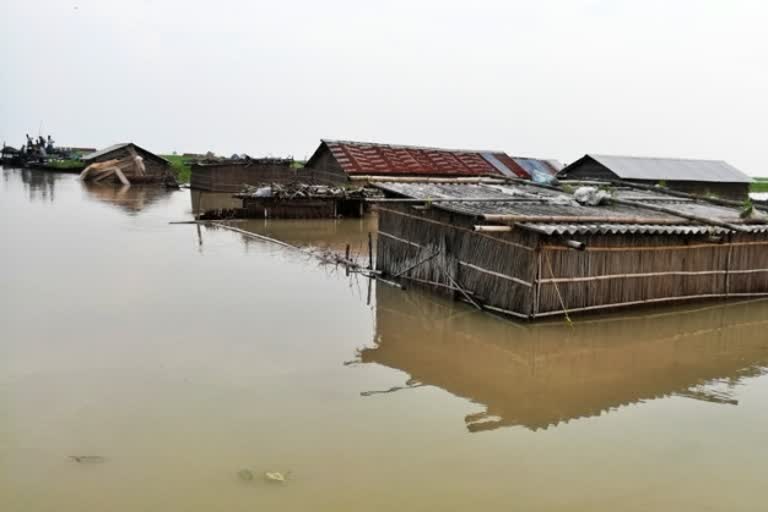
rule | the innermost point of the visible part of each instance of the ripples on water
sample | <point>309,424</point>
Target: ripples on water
<point>181,356</point>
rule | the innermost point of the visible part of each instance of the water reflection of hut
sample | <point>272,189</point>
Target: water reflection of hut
<point>533,252</point>
<point>539,375</point>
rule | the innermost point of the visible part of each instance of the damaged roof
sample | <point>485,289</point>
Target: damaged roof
<point>666,169</point>
<point>536,206</point>
<point>366,158</point>
<point>115,147</point>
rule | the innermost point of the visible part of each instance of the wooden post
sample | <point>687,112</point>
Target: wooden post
<point>370,250</point>
<point>537,283</point>
<point>346,260</point>
<point>728,262</point>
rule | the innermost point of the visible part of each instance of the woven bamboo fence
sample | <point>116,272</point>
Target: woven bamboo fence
<point>528,275</point>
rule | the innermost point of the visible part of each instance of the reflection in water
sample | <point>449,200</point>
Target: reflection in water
<point>540,375</point>
<point>132,199</point>
<point>38,185</point>
<point>318,233</point>
<point>120,340</point>
<point>203,201</point>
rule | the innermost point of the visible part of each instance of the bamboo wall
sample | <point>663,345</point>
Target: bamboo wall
<point>230,177</point>
<point>499,270</point>
<point>525,275</point>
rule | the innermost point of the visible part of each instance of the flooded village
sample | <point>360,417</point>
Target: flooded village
<point>440,328</point>
<point>344,256</point>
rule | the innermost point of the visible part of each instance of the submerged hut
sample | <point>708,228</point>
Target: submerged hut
<point>702,177</point>
<point>339,162</point>
<point>127,163</point>
<point>533,252</point>
<point>231,175</point>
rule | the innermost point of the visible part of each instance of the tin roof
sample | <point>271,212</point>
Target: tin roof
<point>115,147</point>
<point>365,158</point>
<point>670,169</point>
<point>531,201</point>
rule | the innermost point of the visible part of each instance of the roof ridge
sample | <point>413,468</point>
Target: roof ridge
<point>409,146</point>
<point>604,155</point>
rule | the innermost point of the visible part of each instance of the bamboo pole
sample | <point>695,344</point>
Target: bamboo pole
<point>644,275</point>
<point>651,301</point>
<point>121,176</point>
<point>571,219</point>
<point>494,229</point>
<point>682,195</point>
<point>459,287</point>
<point>418,263</point>
<point>407,200</point>
<point>662,248</point>
<point>417,179</point>
<point>370,251</point>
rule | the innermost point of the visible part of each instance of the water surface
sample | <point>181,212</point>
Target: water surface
<point>183,355</point>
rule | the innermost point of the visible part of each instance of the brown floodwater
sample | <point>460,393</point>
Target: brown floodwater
<point>180,356</point>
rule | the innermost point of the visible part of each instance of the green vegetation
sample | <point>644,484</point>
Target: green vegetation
<point>759,185</point>
<point>180,167</point>
<point>65,164</point>
<point>297,164</point>
<point>747,209</point>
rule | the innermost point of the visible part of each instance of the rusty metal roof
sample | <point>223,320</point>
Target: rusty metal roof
<point>365,158</point>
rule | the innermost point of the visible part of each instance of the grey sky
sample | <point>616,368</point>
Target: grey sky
<point>547,78</point>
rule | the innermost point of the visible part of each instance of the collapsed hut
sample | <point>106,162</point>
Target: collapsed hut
<point>339,162</point>
<point>231,175</point>
<point>532,252</point>
<point>702,177</point>
<point>127,163</point>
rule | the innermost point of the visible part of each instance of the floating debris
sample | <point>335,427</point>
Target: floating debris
<point>245,475</point>
<point>305,190</point>
<point>276,477</point>
<point>88,459</point>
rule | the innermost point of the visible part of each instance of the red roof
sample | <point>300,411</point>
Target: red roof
<point>363,158</point>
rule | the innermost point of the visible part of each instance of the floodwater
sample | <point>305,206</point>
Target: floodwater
<point>178,356</point>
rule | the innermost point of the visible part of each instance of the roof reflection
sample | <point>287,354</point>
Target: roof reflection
<point>540,375</point>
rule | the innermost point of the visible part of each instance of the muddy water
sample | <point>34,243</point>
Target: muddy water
<point>182,356</point>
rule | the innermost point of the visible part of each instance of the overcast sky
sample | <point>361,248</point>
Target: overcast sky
<point>546,78</point>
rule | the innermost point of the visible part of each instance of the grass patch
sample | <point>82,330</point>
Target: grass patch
<point>180,167</point>
<point>65,164</point>
<point>759,185</point>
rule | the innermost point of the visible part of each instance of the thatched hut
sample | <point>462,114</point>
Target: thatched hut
<point>534,252</point>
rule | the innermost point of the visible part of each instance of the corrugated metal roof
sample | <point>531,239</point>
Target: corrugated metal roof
<point>115,147</point>
<point>669,169</point>
<point>622,229</point>
<point>532,166</point>
<point>366,158</point>
<point>528,200</point>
